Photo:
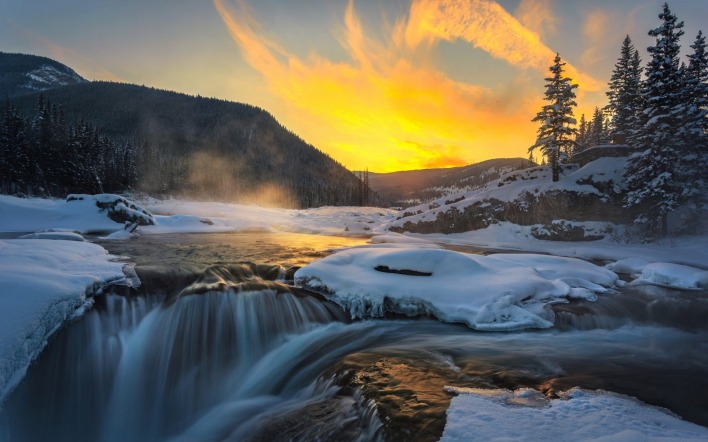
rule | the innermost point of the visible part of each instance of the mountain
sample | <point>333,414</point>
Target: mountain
<point>21,74</point>
<point>413,187</point>
<point>200,147</point>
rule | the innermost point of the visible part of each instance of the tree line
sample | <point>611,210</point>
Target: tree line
<point>660,111</point>
<point>43,154</point>
<point>188,147</point>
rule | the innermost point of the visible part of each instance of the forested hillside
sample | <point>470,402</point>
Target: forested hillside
<point>201,147</point>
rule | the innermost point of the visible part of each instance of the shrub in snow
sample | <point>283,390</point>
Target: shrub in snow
<point>118,209</point>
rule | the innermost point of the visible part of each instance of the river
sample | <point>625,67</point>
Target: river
<point>216,345</point>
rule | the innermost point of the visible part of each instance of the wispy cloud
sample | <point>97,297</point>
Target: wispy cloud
<point>488,26</point>
<point>388,107</point>
<point>598,29</point>
<point>538,16</point>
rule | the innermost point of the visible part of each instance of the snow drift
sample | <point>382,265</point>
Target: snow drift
<point>495,293</point>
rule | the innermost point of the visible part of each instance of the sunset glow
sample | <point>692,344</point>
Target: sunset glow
<point>384,85</point>
<point>389,107</point>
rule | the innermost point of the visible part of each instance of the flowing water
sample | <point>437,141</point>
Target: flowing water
<point>215,347</point>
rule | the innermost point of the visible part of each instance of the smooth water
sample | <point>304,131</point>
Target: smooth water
<point>210,349</point>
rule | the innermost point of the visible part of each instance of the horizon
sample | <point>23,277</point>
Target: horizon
<point>391,87</point>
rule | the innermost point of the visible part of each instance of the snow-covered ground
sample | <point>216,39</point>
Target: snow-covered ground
<point>604,172</point>
<point>49,277</point>
<point>502,415</point>
<point>177,216</point>
<point>44,283</point>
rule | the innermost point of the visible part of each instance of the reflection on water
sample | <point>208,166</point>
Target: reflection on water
<point>285,249</point>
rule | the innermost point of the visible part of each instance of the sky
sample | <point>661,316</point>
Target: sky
<point>383,85</point>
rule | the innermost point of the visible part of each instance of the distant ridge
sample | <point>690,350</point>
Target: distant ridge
<point>192,146</point>
<point>22,74</point>
<point>412,187</point>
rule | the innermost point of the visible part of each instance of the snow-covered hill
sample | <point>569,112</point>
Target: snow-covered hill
<point>526,197</point>
<point>407,188</point>
<point>22,74</point>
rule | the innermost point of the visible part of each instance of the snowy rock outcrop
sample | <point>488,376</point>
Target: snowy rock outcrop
<point>529,197</point>
<point>118,209</point>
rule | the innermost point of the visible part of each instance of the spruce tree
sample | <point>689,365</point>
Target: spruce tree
<point>624,90</point>
<point>555,136</point>
<point>653,175</point>
<point>696,87</point>
<point>596,133</point>
<point>581,137</point>
<point>694,161</point>
<point>637,119</point>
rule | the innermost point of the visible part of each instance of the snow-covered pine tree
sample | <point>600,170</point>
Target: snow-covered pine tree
<point>581,137</point>
<point>695,160</point>
<point>624,90</point>
<point>653,175</point>
<point>597,132</point>
<point>555,136</point>
<point>637,119</point>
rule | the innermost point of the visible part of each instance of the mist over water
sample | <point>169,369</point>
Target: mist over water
<point>209,349</point>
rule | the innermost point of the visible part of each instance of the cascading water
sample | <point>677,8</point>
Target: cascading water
<point>149,368</point>
<point>233,353</point>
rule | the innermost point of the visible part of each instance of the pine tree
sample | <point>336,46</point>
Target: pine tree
<point>596,132</point>
<point>581,137</point>
<point>694,162</point>
<point>624,90</point>
<point>556,118</point>
<point>653,175</point>
<point>637,119</point>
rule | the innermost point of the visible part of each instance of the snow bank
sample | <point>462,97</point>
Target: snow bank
<point>579,414</point>
<point>495,293</point>
<point>178,216</point>
<point>84,215</point>
<point>33,214</point>
<point>673,276</point>
<point>43,283</point>
<point>664,274</point>
<point>629,266</point>
<point>64,234</point>
<point>689,250</point>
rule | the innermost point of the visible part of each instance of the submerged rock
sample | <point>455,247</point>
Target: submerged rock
<point>408,391</point>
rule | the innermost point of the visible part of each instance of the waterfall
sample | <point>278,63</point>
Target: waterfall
<point>232,348</point>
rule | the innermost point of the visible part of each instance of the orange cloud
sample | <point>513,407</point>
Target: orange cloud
<point>389,108</point>
<point>488,26</point>
<point>601,28</point>
<point>538,16</point>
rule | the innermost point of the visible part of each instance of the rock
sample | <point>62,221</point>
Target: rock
<point>118,208</point>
